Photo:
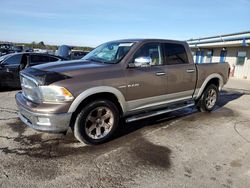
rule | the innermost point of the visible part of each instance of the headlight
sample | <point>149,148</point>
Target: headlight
<point>55,94</point>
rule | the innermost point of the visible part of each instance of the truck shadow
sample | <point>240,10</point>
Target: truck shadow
<point>227,96</point>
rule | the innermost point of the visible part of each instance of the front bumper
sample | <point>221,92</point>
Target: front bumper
<point>46,122</point>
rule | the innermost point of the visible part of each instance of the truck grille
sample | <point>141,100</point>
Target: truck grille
<point>30,89</point>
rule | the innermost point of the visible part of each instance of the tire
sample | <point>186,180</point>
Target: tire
<point>209,98</point>
<point>97,122</point>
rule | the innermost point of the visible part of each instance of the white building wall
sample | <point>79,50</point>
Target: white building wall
<point>216,55</point>
<point>240,71</point>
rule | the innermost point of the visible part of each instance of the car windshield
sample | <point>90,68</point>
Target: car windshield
<point>111,52</point>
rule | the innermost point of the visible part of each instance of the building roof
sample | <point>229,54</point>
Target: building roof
<point>226,40</point>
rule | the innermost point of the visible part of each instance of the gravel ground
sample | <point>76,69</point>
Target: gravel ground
<point>181,149</point>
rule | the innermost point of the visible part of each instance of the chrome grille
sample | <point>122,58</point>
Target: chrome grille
<point>30,89</point>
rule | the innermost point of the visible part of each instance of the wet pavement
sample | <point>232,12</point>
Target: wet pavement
<point>181,149</point>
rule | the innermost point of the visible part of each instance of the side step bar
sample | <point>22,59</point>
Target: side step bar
<point>155,113</point>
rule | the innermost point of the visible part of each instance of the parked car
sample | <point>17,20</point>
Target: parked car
<point>128,79</point>
<point>77,54</point>
<point>6,48</point>
<point>69,53</point>
<point>12,64</point>
<point>19,48</point>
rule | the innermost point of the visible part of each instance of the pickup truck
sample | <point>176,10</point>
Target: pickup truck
<point>120,80</point>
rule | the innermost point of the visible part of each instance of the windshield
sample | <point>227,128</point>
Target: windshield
<point>111,52</point>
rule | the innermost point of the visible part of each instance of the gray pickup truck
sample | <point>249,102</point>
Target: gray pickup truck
<point>126,79</point>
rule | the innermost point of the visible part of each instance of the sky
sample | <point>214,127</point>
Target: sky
<point>92,22</point>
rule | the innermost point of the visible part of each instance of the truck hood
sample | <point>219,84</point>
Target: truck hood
<point>48,73</point>
<point>66,67</point>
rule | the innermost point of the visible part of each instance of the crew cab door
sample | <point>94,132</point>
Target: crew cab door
<point>181,73</point>
<point>146,82</point>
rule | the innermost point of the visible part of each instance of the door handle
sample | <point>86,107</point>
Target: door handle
<point>190,70</point>
<point>160,73</point>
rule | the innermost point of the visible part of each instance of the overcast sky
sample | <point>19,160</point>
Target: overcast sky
<point>91,22</point>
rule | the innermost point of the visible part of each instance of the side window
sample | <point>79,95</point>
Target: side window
<point>13,60</point>
<point>241,58</point>
<point>39,59</point>
<point>52,59</point>
<point>175,54</point>
<point>150,50</point>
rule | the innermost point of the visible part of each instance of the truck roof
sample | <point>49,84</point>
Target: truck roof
<point>148,40</point>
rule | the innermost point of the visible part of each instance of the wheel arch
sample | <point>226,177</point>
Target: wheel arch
<point>215,79</point>
<point>105,92</point>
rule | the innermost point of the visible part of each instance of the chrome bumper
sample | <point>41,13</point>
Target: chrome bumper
<point>46,122</point>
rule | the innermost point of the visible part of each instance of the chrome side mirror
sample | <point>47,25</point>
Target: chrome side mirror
<point>143,61</point>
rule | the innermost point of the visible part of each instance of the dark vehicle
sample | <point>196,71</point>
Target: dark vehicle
<point>6,48</point>
<point>64,51</point>
<point>22,48</point>
<point>126,79</point>
<point>77,54</point>
<point>12,64</point>
<point>19,48</point>
<point>69,53</point>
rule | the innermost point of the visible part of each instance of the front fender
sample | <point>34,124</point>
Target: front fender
<point>95,90</point>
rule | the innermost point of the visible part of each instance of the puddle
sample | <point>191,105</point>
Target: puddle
<point>147,153</point>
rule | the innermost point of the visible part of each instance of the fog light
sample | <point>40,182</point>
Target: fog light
<point>43,121</point>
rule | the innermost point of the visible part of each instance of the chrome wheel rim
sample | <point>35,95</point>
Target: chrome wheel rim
<point>211,98</point>
<point>99,122</point>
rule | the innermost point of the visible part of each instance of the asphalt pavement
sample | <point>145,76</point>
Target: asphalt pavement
<point>185,148</point>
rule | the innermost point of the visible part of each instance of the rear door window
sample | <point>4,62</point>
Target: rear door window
<point>175,54</point>
<point>39,59</point>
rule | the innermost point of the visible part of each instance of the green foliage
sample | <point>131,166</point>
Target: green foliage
<point>42,45</point>
<point>82,48</point>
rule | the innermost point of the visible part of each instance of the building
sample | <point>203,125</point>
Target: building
<point>232,48</point>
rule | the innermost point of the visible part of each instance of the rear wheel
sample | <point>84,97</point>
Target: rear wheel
<point>96,122</point>
<point>208,99</point>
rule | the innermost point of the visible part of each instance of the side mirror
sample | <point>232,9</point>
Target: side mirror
<point>141,62</point>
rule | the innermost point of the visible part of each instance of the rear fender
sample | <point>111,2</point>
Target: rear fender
<point>199,91</point>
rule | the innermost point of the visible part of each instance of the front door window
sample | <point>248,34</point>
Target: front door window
<point>152,51</point>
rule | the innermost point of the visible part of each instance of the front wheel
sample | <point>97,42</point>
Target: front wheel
<point>96,122</point>
<point>208,99</point>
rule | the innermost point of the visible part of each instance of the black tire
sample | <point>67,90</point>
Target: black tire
<point>204,101</point>
<point>83,123</point>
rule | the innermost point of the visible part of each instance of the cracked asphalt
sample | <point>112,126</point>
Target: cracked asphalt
<point>181,149</point>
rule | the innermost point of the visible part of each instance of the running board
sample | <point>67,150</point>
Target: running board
<point>155,113</point>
